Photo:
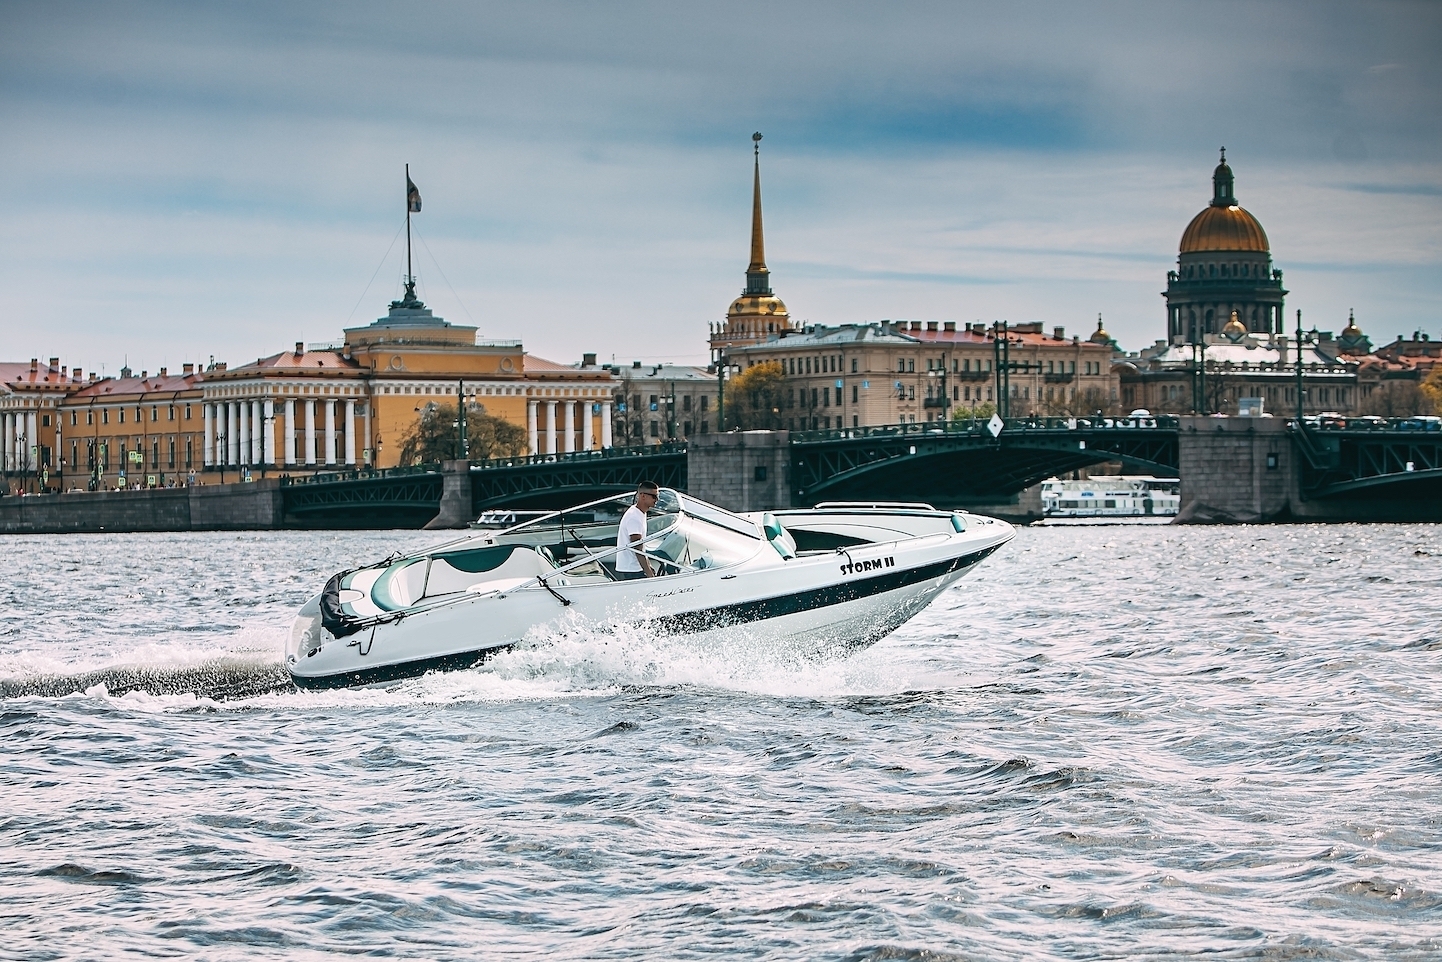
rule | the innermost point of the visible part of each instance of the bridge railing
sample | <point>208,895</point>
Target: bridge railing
<point>358,474</point>
<point>597,454</point>
<point>978,427</point>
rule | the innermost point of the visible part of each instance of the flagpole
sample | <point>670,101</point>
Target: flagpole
<point>409,279</point>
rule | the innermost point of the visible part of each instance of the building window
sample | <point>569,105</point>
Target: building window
<point>853,394</point>
<point>187,412</point>
<point>655,429</point>
<point>170,416</point>
<point>122,415</point>
<point>74,418</point>
<point>853,365</point>
<point>826,397</point>
<point>704,400</point>
<point>911,365</point>
<point>686,428</point>
<point>901,365</point>
<point>189,445</point>
<point>170,461</point>
<point>155,412</point>
<point>686,406</point>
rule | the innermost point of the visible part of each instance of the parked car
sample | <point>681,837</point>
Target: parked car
<point>1422,422</point>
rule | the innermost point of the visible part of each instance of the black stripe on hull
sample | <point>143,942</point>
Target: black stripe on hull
<point>722,616</point>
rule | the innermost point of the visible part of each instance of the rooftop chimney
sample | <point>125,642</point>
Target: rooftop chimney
<point>588,360</point>
<point>188,369</point>
<point>162,372</point>
<point>144,375</point>
<point>54,363</point>
<point>636,364</point>
<point>300,347</point>
<point>1058,333</point>
<point>76,374</point>
<point>950,326</point>
<point>931,325</point>
<point>35,362</point>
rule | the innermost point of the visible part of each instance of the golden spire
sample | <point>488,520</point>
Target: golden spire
<point>758,244</point>
<point>756,273</point>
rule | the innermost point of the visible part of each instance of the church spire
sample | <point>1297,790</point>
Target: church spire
<point>757,276</point>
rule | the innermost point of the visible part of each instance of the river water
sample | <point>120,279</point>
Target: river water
<point>1107,742</point>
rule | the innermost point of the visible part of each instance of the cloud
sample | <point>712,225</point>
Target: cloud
<point>188,179</point>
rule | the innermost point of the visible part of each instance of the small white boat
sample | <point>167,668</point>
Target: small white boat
<point>837,574</point>
<point>1111,497</point>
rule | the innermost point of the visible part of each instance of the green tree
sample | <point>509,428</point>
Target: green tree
<point>982,412</point>
<point>435,435</point>
<point>756,397</point>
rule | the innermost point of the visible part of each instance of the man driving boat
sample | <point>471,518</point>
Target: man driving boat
<point>633,563</point>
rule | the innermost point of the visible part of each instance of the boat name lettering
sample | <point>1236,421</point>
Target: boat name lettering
<point>871,564</point>
<point>667,594</point>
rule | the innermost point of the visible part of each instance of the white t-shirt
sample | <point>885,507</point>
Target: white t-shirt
<point>632,522</point>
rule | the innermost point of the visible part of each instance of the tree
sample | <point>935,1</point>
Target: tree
<point>982,412</point>
<point>756,397</point>
<point>1396,399</point>
<point>435,435</point>
<point>1432,389</point>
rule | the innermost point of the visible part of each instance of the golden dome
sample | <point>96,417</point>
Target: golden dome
<point>1100,335</point>
<point>754,304</point>
<point>1224,229</point>
<point>1351,331</point>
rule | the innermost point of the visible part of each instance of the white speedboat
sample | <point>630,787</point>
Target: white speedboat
<point>836,574</point>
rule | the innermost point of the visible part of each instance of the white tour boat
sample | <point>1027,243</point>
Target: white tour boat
<point>1111,496</point>
<point>837,574</point>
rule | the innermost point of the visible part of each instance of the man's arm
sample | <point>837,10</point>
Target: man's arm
<point>645,561</point>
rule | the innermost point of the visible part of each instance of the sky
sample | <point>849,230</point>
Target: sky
<point>184,181</point>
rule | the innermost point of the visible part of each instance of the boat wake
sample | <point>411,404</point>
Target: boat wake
<point>224,678</point>
<point>574,658</point>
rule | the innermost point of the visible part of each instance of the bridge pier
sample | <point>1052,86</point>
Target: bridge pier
<point>1235,470</point>
<point>455,509</point>
<point>740,470</point>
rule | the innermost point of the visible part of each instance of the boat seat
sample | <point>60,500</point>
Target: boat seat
<point>522,561</point>
<point>407,582</point>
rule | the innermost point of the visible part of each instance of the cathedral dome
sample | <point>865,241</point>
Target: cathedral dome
<point>1224,229</point>
<point>1224,226</point>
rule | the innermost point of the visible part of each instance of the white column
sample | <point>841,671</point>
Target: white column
<point>350,431</point>
<point>257,431</point>
<point>550,427</point>
<point>9,429</point>
<point>207,456</point>
<point>568,441</point>
<point>290,430</point>
<point>32,442</point>
<point>605,424</point>
<point>368,444</point>
<point>268,419</point>
<point>232,433</point>
<point>330,431</point>
<point>310,431</point>
<point>588,433</point>
<point>242,414</point>
<point>531,434</point>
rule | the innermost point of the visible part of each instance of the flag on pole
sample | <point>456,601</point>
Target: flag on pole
<point>413,196</point>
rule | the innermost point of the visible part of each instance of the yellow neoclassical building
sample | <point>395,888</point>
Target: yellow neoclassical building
<point>351,404</point>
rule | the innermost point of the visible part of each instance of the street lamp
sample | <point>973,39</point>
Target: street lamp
<point>221,451</point>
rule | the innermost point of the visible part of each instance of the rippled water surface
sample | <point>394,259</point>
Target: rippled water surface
<point>1108,742</point>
